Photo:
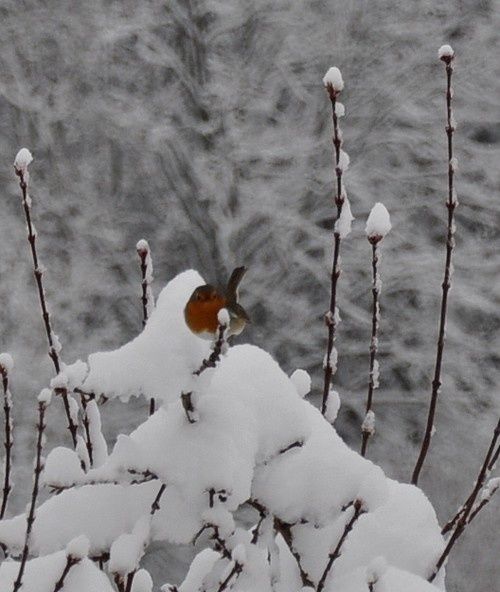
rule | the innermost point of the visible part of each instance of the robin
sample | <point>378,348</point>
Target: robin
<point>206,301</point>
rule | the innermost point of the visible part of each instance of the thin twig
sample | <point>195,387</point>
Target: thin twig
<point>463,517</point>
<point>42,405</point>
<point>38,272</point>
<point>155,506</point>
<point>147,301</point>
<point>70,562</point>
<point>335,554</point>
<point>451,205</point>
<point>237,568</point>
<point>211,361</point>
<point>367,428</point>
<point>285,530</point>
<point>8,442</point>
<point>331,318</point>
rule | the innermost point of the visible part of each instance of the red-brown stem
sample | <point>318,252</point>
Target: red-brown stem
<point>480,481</point>
<point>285,530</point>
<point>366,433</point>
<point>143,255</point>
<point>330,317</point>
<point>8,443</point>
<point>54,356</point>
<point>34,494</point>
<point>70,562</point>
<point>466,511</point>
<point>451,205</point>
<point>335,554</point>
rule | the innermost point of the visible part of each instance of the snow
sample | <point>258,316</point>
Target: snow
<point>445,51</point>
<point>62,468</point>
<point>454,164</point>
<point>99,446</point>
<point>142,246</point>
<point>344,223</point>
<point>6,362</point>
<point>368,424</point>
<point>42,573</point>
<point>78,548</point>
<point>302,382</point>
<point>333,78</point>
<point>223,317</point>
<point>142,582</point>
<point>127,550</point>
<point>344,161</point>
<point>22,160</point>
<point>158,362</point>
<point>332,406</point>
<point>255,438</point>
<point>339,109</point>
<point>379,222</point>
<point>45,396</point>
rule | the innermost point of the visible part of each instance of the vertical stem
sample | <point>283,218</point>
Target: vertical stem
<point>451,204</point>
<point>331,317</point>
<point>8,443</point>
<point>53,353</point>
<point>34,494</point>
<point>366,431</point>
<point>146,273</point>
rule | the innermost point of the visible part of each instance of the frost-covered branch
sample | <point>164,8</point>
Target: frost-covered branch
<point>6,365</point>
<point>447,55</point>
<point>464,515</point>
<point>377,226</point>
<point>43,401</point>
<point>335,554</point>
<point>76,550</point>
<point>334,84</point>
<point>147,298</point>
<point>22,160</point>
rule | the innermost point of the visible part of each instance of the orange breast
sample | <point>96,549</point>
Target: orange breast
<point>201,316</point>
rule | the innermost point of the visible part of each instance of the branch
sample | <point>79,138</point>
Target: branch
<point>155,506</point>
<point>211,361</point>
<point>70,562</point>
<point>335,554</point>
<point>466,514</point>
<point>331,317</point>
<point>368,427</point>
<point>43,401</point>
<point>8,442</point>
<point>21,170</point>
<point>147,299</point>
<point>451,205</point>
<point>285,530</point>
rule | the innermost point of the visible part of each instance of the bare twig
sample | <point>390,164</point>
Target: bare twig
<point>21,169</point>
<point>236,570</point>
<point>155,506</point>
<point>8,442</point>
<point>144,252</point>
<point>451,205</point>
<point>367,427</point>
<point>43,401</point>
<point>211,361</point>
<point>467,512</point>
<point>331,318</point>
<point>335,554</point>
<point>70,562</point>
<point>285,530</point>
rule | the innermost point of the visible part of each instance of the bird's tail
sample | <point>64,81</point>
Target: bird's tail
<point>233,283</point>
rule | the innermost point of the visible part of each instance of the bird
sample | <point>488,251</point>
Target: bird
<point>205,303</point>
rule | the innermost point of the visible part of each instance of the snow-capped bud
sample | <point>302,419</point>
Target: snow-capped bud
<point>239,554</point>
<point>45,396</point>
<point>6,363</point>
<point>332,406</point>
<point>142,581</point>
<point>446,53</point>
<point>333,79</point>
<point>368,425</point>
<point>142,247</point>
<point>22,160</point>
<point>78,548</point>
<point>378,223</point>
<point>60,381</point>
<point>223,317</point>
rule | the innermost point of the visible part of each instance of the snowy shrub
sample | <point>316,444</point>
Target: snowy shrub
<point>228,432</point>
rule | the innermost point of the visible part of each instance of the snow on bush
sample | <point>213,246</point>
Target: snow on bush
<point>256,442</point>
